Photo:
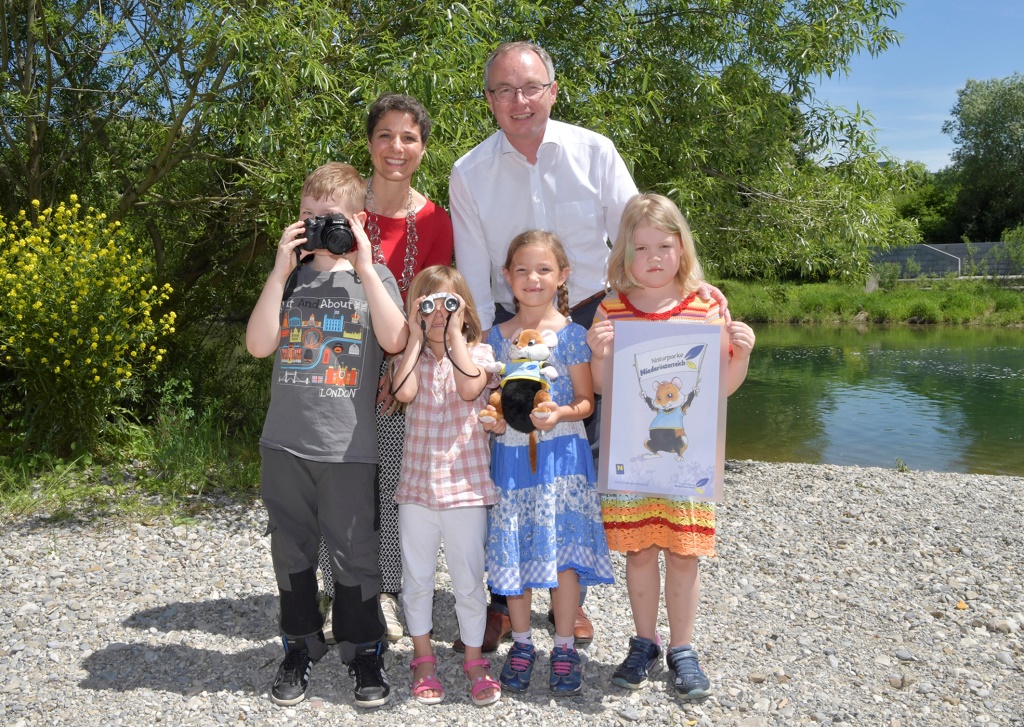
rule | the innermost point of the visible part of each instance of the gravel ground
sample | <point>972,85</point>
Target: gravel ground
<point>840,595</point>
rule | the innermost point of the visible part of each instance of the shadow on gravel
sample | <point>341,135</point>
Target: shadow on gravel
<point>191,670</point>
<point>179,669</point>
<point>243,617</point>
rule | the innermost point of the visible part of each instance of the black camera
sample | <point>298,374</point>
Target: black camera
<point>450,303</point>
<point>329,232</point>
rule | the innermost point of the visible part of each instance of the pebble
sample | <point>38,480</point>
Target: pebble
<point>835,599</point>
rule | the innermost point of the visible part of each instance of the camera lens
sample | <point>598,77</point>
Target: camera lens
<point>337,236</point>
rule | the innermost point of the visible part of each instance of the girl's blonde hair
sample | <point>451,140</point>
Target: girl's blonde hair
<point>550,241</point>
<point>653,210</point>
<point>433,280</point>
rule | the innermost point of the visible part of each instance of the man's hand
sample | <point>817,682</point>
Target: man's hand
<point>707,292</point>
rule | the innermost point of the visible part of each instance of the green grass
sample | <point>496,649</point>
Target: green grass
<point>937,302</point>
<point>180,465</point>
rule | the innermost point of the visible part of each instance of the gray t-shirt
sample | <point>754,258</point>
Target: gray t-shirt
<point>326,370</point>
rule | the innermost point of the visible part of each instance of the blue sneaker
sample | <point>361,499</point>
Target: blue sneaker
<point>515,675</point>
<point>566,672</point>
<point>642,661</point>
<point>689,681</point>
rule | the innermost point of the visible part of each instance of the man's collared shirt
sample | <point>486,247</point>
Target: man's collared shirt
<point>577,189</point>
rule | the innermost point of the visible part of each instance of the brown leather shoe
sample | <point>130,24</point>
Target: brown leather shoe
<point>498,629</point>
<point>582,630</point>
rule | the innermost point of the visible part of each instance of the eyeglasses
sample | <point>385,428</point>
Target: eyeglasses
<point>507,94</point>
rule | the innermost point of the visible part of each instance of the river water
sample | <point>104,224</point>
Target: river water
<point>935,398</point>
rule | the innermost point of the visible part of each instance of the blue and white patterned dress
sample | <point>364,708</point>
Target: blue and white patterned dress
<point>549,520</point>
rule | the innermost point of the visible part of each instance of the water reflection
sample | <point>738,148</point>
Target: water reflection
<point>936,398</point>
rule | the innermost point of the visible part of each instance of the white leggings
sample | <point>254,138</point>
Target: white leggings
<point>464,531</point>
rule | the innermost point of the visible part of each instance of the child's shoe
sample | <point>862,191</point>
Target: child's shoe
<point>515,675</point>
<point>642,661</point>
<point>372,688</point>
<point>292,680</point>
<point>429,683</point>
<point>689,681</point>
<point>566,672</point>
<point>481,684</point>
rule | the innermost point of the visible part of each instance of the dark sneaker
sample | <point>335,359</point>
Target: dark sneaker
<point>372,688</point>
<point>292,680</point>
<point>566,672</point>
<point>642,662</point>
<point>687,678</point>
<point>515,675</point>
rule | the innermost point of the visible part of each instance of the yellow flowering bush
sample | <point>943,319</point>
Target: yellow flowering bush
<point>77,326</point>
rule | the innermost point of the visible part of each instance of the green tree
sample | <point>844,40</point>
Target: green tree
<point>989,155</point>
<point>930,200</point>
<point>195,123</point>
<point>775,181</point>
<point>199,120</point>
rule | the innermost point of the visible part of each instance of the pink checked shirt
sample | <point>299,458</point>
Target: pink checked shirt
<point>447,461</point>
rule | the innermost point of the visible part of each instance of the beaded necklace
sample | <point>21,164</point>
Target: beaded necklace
<point>411,236</point>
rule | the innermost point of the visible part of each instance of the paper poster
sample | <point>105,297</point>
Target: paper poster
<point>663,410</point>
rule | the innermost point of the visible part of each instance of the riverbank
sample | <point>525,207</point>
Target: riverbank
<point>840,595</point>
<point>946,301</point>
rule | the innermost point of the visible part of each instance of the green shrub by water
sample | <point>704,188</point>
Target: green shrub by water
<point>941,301</point>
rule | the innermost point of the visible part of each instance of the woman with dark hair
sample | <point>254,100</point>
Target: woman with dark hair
<point>408,233</point>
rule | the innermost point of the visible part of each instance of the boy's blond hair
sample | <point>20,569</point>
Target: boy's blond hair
<point>341,182</point>
<point>653,210</point>
<point>432,280</point>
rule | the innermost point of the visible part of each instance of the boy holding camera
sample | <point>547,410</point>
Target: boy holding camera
<point>325,312</point>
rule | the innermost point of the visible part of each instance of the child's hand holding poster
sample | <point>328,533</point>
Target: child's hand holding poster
<point>663,411</point>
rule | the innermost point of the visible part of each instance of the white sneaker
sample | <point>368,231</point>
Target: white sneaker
<point>393,627</point>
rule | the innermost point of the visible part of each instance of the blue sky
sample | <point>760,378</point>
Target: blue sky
<point>910,89</point>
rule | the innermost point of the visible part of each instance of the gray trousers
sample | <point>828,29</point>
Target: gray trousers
<point>304,500</point>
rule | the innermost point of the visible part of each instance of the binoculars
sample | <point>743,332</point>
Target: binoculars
<point>449,301</point>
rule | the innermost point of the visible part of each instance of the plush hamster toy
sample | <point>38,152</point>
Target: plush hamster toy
<point>525,382</point>
<point>666,430</point>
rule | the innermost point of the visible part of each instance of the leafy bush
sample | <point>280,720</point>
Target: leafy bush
<point>924,311</point>
<point>1013,249</point>
<point>888,275</point>
<point>192,448</point>
<point>966,303</point>
<point>77,327</point>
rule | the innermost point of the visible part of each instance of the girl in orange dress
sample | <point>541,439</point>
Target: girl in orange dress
<point>654,271</point>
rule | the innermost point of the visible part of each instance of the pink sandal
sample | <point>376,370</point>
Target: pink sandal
<point>481,684</point>
<point>428,683</point>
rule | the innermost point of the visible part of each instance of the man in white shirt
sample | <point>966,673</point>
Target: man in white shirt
<point>535,173</point>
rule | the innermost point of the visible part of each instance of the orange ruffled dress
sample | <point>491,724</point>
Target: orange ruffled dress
<point>634,522</point>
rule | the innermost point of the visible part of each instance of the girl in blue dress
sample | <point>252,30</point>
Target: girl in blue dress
<point>546,530</point>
